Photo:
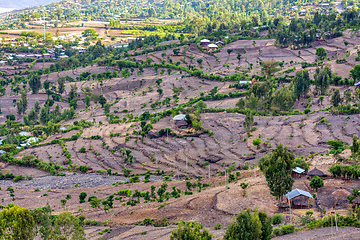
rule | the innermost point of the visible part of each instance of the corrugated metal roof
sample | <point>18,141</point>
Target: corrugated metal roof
<point>297,192</point>
<point>179,117</point>
<point>298,170</point>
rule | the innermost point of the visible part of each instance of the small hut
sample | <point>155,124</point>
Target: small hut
<point>297,172</point>
<point>299,198</point>
<point>316,172</point>
<point>340,196</point>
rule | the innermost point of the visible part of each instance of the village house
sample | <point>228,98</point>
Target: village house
<point>299,198</point>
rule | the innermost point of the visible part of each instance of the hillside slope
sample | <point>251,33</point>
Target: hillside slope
<point>24,3</point>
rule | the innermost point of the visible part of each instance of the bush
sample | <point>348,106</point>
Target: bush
<point>82,150</point>
<point>82,197</point>
<point>84,168</point>
<point>287,229</point>
<point>277,232</point>
<point>217,226</point>
<point>277,219</point>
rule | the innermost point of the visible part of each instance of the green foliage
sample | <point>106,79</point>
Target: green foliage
<point>82,197</point>
<point>249,121</point>
<point>355,72</point>
<point>217,226</point>
<point>316,183</point>
<point>321,53</point>
<point>35,83</point>
<point>299,162</point>
<point>67,226</point>
<point>249,226</point>
<point>322,79</point>
<point>190,231</point>
<point>277,167</point>
<point>16,223</point>
<point>337,146</point>
<point>277,219</point>
<point>301,83</point>
<point>336,99</point>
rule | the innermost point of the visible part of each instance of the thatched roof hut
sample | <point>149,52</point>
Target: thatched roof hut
<point>316,172</point>
<point>341,193</point>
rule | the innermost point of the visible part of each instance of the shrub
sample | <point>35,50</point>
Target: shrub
<point>277,219</point>
<point>68,197</point>
<point>82,150</point>
<point>83,168</point>
<point>287,229</point>
<point>217,226</point>
<point>82,197</point>
<point>277,232</point>
<point>95,137</point>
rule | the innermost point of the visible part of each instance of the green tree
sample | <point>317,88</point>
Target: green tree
<point>284,99</point>
<point>321,53</point>
<point>238,56</point>
<point>87,100</point>
<point>176,51</point>
<point>61,84</point>
<point>249,121</point>
<point>107,108</point>
<point>73,92</point>
<point>190,231</point>
<point>249,226</point>
<point>336,99</point>
<point>269,67</point>
<point>229,51</point>
<point>37,106</point>
<point>160,91</point>
<point>32,116</point>
<point>277,167</point>
<point>16,223</point>
<point>102,100</point>
<point>46,84</point>
<point>20,106</point>
<point>355,146</point>
<point>73,103</point>
<point>316,183</point>
<point>24,99</point>
<point>35,83</point>
<point>301,83</point>
<point>200,105</point>
<point>11,138</point>
<point>355,72</point>
<point>322,79</point>
<point>82,197</point>
<point>67,226</point>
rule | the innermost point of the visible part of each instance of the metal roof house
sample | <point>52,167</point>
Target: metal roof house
<point>297,172</point>
<point>299,198</point>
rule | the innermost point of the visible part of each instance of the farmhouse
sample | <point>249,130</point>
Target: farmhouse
<point>299,198</point>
